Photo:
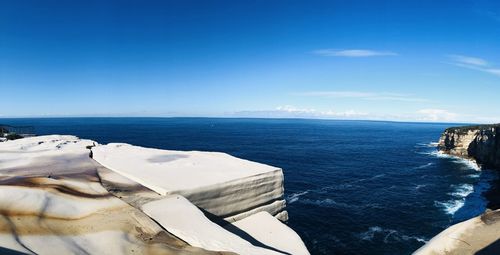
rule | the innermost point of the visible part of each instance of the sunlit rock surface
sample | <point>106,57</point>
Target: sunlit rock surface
<point>480,143</point>
<point>192,226</point>
<point>263,228</point>
<point>220,184</point>
<point>55,199</point>
<point>479,235</point>
<point>52,202</point>
<point>179,216</point>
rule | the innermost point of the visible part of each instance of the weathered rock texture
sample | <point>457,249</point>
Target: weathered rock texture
<point>479,235</point>
<point>480,143</point>
<point>220,184</point>
<point>52,202</point>
<point>55,199</point>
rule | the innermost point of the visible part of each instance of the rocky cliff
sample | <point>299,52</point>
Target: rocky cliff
<point>56,199</point>
<point>480,143</point>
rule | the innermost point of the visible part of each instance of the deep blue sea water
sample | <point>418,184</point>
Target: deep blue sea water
<point>352,187</point>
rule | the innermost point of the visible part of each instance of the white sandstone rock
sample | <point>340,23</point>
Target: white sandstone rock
<point>221,184</point>
<point>467,237</point>
<point>181,218</point>
<point>265,228</point>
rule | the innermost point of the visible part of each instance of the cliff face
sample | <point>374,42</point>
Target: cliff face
<point>481,143</point>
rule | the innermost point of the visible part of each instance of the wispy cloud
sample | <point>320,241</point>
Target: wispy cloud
<point>474,63</point>
<point>353,53</point>
<point>314,112</point>
<point>468,60</point>
<point>364,95</point>
<point>436,115</point>
<point>423,115</point>
<point>289,111</point>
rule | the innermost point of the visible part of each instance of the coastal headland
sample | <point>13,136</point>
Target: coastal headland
<point>481,234</point>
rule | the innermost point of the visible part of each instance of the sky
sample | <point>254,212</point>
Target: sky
<point>377,60</point>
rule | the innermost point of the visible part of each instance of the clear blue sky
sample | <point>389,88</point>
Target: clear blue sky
<point>397,60</point>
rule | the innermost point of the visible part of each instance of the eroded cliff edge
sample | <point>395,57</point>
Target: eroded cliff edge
<point>481,234</point>
<point>480,143</point>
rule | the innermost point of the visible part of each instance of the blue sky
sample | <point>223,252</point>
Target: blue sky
<point>384,60</point>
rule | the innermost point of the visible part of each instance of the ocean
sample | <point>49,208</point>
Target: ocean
<point>352,187</point>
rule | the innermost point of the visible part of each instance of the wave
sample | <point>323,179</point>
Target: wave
<point>328,202</point>
<point>473,176</point>
<point>389,235</point>
<point>450,206</point>
<point>460,192</point>
<point>295,196</point>
<point>463,190</point>
<point>427,145</point>
<point>468,162</point>
<point>420,186</point>
<point>423,166</point>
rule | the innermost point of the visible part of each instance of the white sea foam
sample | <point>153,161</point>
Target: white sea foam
<point>428,145</point>
<point>295,196</point>
<point>468,162</point>
<point>473,175</point>
<point>420,186</point>
<point>450,206</point>
<point>423,166</point>
<point>390,235</point>
<point>460,192</point>
<point>463,190</point>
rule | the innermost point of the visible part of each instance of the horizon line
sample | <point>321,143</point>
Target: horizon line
<point>236,117</point>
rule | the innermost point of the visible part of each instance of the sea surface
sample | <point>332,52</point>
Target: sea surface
<point>352,187</point>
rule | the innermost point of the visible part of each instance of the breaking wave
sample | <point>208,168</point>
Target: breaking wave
<point>460,193</point>
<point>450,206</point>
<point>468,162</point>
<point>463,190</point>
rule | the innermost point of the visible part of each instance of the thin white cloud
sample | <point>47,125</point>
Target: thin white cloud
<point>364,95</point>
<point>468,60</point>
<point>353,53</point>
<point>314,112</point>
<point>423,115</point>
<point>436,115</point>
<point>474,63</point>
<point>289,111</point>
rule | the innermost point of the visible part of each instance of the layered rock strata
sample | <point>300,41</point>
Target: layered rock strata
<point>55,199</point>
<point>52,202</point>
<point>480,143</point>
<point>222,185</point>
<point>479,235</point>
<point>186,221</point>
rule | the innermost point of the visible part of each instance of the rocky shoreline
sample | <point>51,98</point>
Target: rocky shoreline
<point>65,195</point>
<point>479,143</point>
<point>481,234</point>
